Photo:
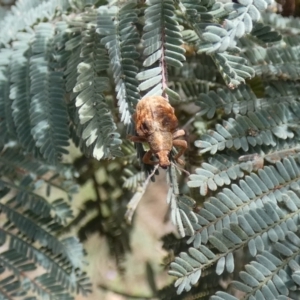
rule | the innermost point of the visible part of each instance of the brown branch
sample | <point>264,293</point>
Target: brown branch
<point>288,8</point>
<point>109,289</point>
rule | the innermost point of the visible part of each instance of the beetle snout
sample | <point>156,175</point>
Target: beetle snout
<point>164,166</point>
<point>163,159</point>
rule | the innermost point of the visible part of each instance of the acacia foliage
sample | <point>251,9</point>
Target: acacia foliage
<point>75,70</point>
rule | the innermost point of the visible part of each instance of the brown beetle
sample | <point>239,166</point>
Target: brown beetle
<point>157,124</point>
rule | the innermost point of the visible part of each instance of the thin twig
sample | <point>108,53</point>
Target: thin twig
<point>134,201</point>
<point>182,170</point>
<point>125,294</point>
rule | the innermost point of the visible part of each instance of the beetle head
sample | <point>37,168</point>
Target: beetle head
<point>163,157</point>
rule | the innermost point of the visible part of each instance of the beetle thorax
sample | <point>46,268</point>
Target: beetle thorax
<point>159,141</point>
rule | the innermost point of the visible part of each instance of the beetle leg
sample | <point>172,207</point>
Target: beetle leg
<point>147,158</point>
<point>178,133</point>
<point>134,117</point>
<point>136,139</point>
<point>183,145</point>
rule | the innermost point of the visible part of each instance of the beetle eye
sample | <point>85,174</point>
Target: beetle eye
<point>145,126</point>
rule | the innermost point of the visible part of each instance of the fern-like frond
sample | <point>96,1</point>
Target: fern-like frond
<point>98,128</point>
<point>234,69</point>
<point>60,257</point>
<point>133,181</point>
<point>258,128</point>
<point>242,100</point>
<point>182,214</point>
<point>275,63</point>
<point>76,131</point>
<point>26,197</point>
<point>12,161</point>
<point>73,46</point>
<point>162,42</point>
<point>20,92</point>
<point>189,90</point>
<point>45,283</point>
<point>239,101</point>
<point>24,14</point>
<point>74,59</point>
<point>36,228</point>
<point>7,126</point>
<point>213,37</point>
<point>120,37</point>
<point>270,275</point>
<point>283,90</point>
<point>47,108</point>
<point>265,33</point>
<point>20,265</point>
<point>215,40</point>
<point>254,213</point>
<point>12,286</point>
<point>223,169</point>
<point>15,163</point>
<point>195,77</point>
<point>289,26</point>
<point>220,170</point>
<point>57,266</point>
<point>198,67</point>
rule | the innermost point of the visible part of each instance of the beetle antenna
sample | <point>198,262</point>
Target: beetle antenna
<point>181,169</point>
<point>134,201</point>
<point>150,175</point>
